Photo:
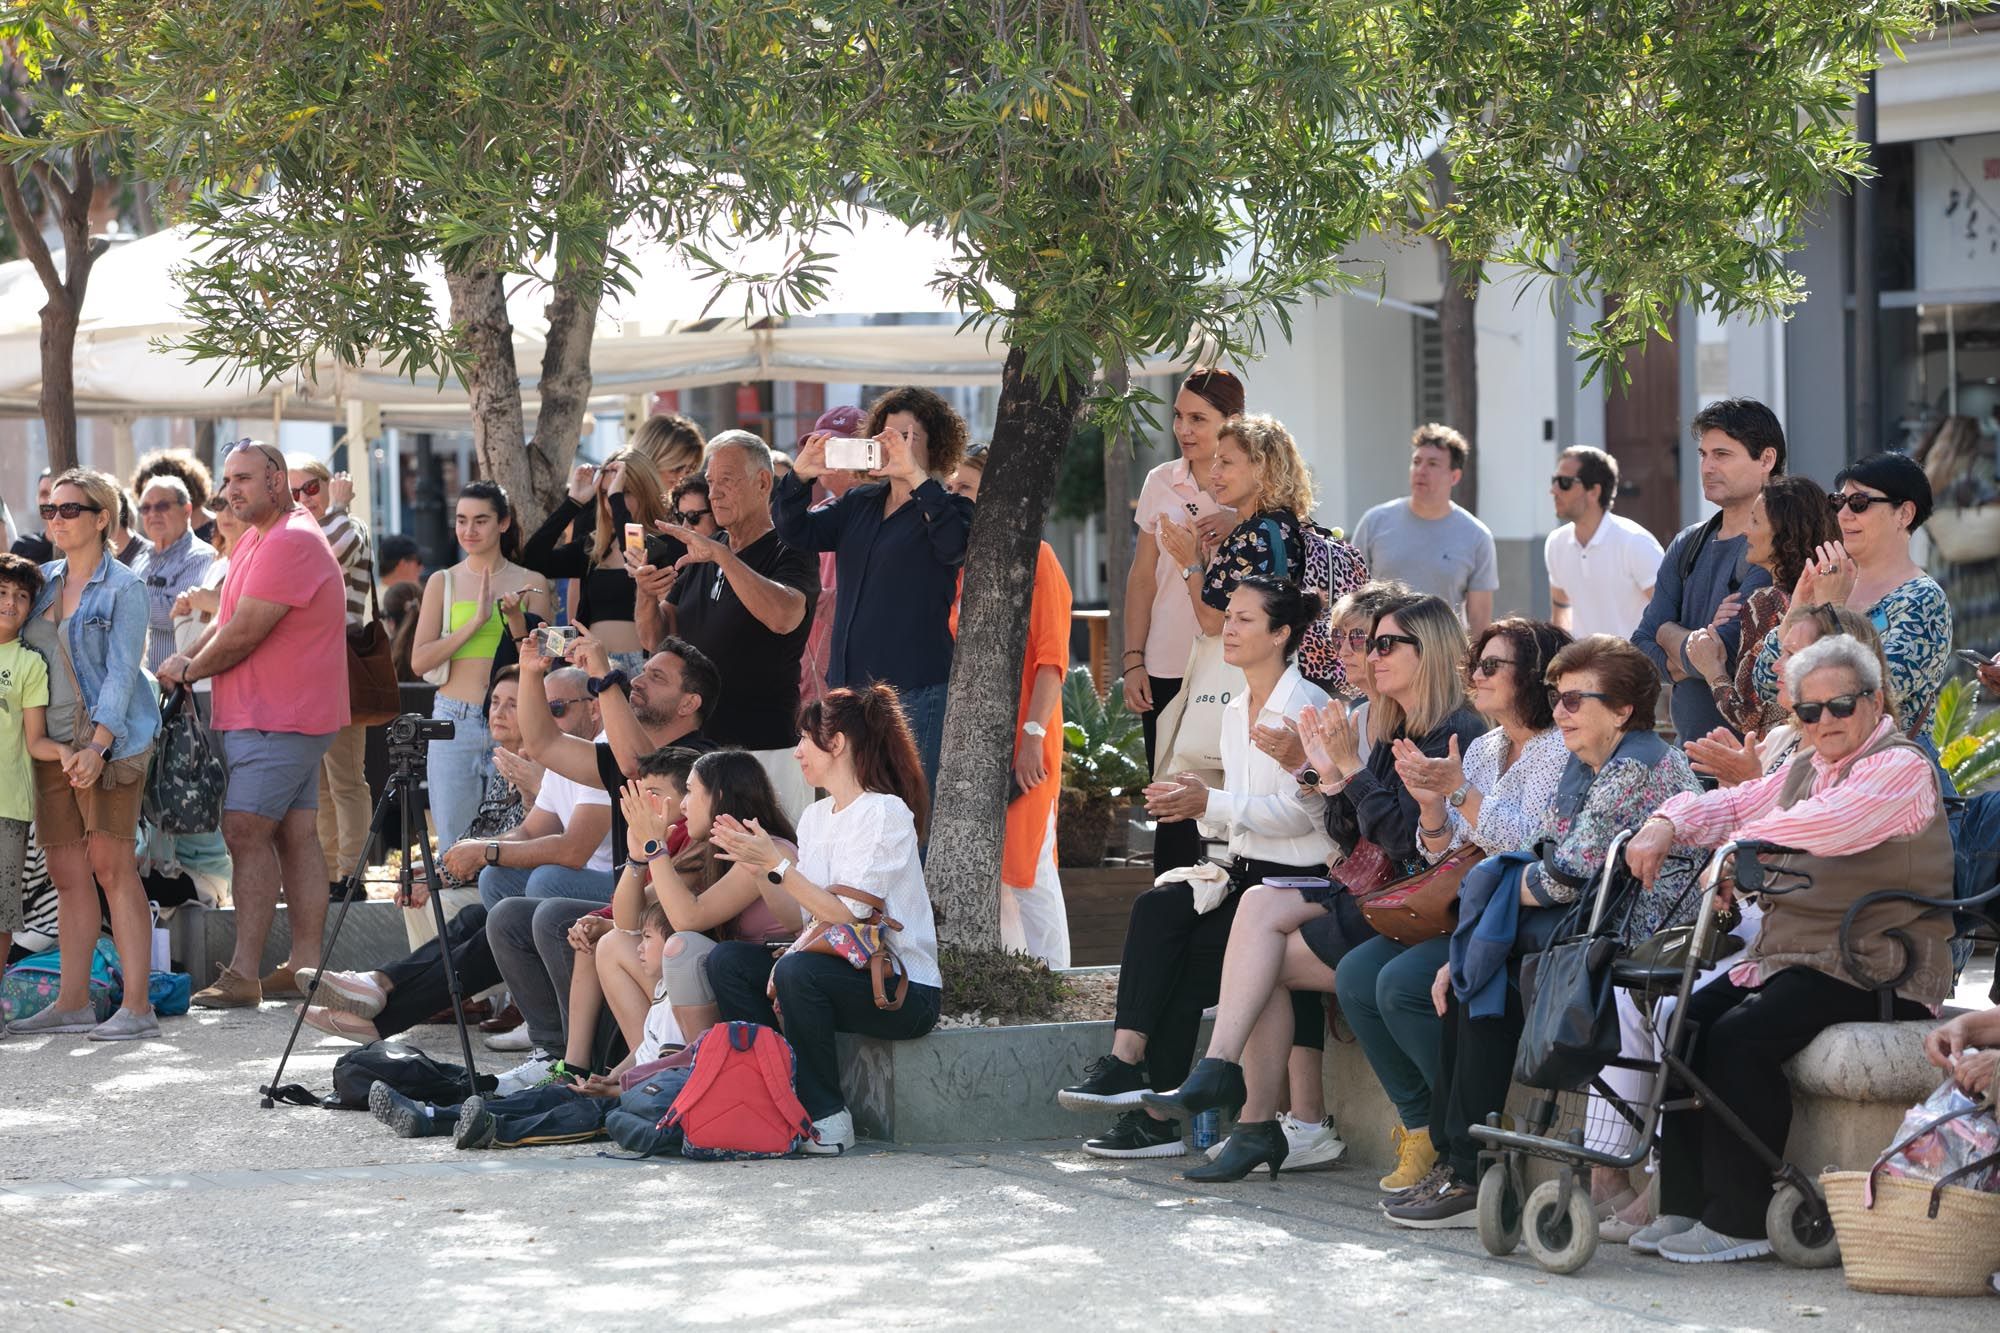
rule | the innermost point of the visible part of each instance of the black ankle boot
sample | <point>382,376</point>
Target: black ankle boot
<point>1213,1085</point>
<point>1259,1143</point>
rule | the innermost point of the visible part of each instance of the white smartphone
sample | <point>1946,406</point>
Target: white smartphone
<point>845,454</point>
<point>556,640</point>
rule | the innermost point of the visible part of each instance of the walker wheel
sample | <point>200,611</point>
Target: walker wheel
<point>1499,1211</point>
<point>1800,1229</point>
<point>1562,1240</point>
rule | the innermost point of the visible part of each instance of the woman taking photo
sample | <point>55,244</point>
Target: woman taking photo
<point>1604,693</point>
<point>627,489</point>
<point>863,837</point>
<point>898,542</point>
<point>674,445</point>
<point>90,623</point>
<point>1173,964</point>
<point>1159,622</point>
<point>1789,521</point>
<point>460,624</point>
<point>1495,799</point>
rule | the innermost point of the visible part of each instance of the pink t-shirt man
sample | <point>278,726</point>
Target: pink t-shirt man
<point>296,679</point>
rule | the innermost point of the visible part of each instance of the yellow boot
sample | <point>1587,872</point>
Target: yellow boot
<point>1414,1158</point>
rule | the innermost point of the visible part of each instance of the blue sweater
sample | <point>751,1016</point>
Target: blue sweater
<point>1721,568</point>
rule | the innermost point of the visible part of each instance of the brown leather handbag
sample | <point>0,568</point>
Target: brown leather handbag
<point>373,693</point>
<point>863,944</point>
<point>1423,906</point>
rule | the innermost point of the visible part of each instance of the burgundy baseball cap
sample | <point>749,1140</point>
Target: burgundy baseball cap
<point>843,421</point>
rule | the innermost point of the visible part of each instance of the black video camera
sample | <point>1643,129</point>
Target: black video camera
<point>414,729</point>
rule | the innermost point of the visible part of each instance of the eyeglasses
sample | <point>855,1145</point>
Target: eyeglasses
<point>690,517</point>
<point>1356,639</point>
<point>1491,666</point>
<point>310,488</point>
<point>1565,483</point>
<point>1856,502</point>
<point>1840,705</point>
<point>69,509</point>
<point>160,507</point>
<point>1570,701</point>
<point>1384,644</point>
<point>557,707</point>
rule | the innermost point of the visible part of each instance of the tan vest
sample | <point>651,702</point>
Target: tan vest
<point>1802,928</point>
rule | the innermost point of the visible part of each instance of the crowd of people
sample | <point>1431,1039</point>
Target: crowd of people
<point>696,715</point>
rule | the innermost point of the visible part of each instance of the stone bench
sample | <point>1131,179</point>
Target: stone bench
<point>202,938</point>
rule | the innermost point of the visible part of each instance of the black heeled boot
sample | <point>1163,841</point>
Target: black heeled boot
<point>1212,1085</point>
<point>1259,1143</point>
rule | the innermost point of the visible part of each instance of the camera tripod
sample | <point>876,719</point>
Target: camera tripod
<point>409,736</point>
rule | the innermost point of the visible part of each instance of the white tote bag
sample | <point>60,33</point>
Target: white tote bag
<point>1190,730</point>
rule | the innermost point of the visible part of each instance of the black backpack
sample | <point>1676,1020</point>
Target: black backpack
<point>404,1068</point>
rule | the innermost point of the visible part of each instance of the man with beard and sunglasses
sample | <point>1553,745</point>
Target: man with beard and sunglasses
<point>1601,565</point>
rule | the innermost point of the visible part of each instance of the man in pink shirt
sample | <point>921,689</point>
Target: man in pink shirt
<point>278,655</point>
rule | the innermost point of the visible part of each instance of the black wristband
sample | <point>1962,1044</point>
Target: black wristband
<point>611,678</point>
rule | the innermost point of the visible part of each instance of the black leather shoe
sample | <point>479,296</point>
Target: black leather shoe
<point>1259,1143</point>
<point>1212,1085</point>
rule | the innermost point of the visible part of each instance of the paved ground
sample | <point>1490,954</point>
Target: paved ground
<point>142,1187</point>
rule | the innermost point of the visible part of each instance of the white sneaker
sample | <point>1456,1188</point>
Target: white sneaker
<point>832,1136</point>
<point>514,1039</point>
<point>1310,1145</point>
<point>529,1073</point>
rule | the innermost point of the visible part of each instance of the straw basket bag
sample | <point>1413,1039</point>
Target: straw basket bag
<point>1912,1238</point>
<point>1966,536</point>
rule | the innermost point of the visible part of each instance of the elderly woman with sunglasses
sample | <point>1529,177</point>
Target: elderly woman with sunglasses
<point>1865,812</point>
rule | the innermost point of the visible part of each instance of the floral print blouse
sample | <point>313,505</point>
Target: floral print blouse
<point>1514,805</point>
<point>1914,620</point>
<point>1249,550</point>
<point>1743,704</point>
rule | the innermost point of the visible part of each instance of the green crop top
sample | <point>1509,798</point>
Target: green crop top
<point>483,644</point>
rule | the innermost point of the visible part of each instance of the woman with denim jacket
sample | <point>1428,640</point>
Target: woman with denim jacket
<point>104,710</point>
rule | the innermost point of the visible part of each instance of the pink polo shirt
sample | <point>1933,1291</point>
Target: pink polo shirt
<point>296,679</point>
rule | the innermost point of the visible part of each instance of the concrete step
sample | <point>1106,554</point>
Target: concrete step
<point>204,937</point>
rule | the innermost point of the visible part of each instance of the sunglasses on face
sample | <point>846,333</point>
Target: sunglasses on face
<point>1840,705</point>
<point>1491,666</point>
<point>690,517</point>
<point>310,488</point>
<point>1384,644</point>
<point>1856,502</point>
<point>1565,483</point>
<point>557,707</point>
<point>160,507</point>
<point>1356,639</point>
<point>1570,701</point>
<point>69,509</point>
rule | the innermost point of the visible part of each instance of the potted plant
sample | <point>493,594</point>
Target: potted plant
<point>1103,757</point>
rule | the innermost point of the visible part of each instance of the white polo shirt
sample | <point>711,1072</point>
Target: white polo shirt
<point>1607,580</point>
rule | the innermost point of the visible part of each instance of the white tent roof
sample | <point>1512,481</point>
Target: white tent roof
<point>880,321</point>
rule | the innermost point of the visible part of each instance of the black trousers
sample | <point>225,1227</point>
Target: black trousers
<point>1475,1069</point>
<point>1171,970</point>
<point>419,988</point>
<point>1741,1042</point>
<point>1176,842</point>
<point>820,996</point>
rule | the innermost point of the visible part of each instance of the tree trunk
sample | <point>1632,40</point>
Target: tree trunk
<point>58,400</point>
<point>69,204</point>
<point>499,434</point>
<point>1118,529</point>
<point>565,384</point>
<point>1459,343</point>
<point>968,828</point>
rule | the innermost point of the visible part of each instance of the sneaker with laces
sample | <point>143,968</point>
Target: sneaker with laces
<point>1415,1156</point>
<point>513,1039</point>
<point>1434,1180</point>
<point>1138,1134</point>
<point>52,1020</point>
<point>832,1135</point>
<point>530,1073</point>
<point>565,1074</point>
<point>475,1124</point>
<point>232,990</point>
<point>1310,1145</point>
<point>1454,1205</point>
<point>409,1119</point>
<point>1107,1081</point>
<point>1701,1245</point>
<point>1646,1240</point>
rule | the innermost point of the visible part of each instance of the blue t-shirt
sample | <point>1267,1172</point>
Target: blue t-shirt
<point>1720,568</point>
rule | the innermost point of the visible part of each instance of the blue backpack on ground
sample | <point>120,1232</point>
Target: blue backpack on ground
<point>635,1123</point>
<point>738,1101</point>
<point>30,985</point>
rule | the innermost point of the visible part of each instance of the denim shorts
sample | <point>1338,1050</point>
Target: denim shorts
<point>272,773</point>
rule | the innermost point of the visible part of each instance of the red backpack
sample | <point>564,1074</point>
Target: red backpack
<point>738,1101</point>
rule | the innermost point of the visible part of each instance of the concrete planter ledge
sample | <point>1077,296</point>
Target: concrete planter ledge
<point>203,938</point>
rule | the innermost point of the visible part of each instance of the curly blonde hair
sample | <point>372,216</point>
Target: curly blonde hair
<point>1286,481</point>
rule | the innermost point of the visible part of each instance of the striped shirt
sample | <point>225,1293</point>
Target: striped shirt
<point>351,548</point>
<point>1889,794</point>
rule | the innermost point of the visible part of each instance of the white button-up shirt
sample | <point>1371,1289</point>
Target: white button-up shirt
<point>1263,813</point>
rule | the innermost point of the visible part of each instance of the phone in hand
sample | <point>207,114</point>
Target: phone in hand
<point>846,454</point>
<point>1976,660</point>
<point>635,538</point>
<point>555,640</point>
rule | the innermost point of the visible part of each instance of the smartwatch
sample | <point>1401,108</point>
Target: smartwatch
<point>613,677</point>
<point>653,851</point>
<point>776,874</point>
<point>493,853</point>
<point>103,750</point>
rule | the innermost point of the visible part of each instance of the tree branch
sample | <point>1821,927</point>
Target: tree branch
<point>30,236</point>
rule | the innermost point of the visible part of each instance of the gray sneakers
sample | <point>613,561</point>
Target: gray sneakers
<point>53,1020</point>
<point>1700,1245</point>
<point>124,1025</point>
<point>1646,1240</point>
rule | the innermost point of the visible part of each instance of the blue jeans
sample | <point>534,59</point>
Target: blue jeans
<point>1385,994</point>
<point>497,883</point>
<point>923,709</point>
<point>547,1114</point>
<point>458,768</point>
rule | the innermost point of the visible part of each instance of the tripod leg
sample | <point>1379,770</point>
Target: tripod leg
<point>445,959</point>
<point>378,825</point>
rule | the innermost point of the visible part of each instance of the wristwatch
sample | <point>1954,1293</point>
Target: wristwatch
<point>599,684</point>
<point>1308,776</point>
<point>1457,798</point>
<point>1191,569</point>
<point>653,851</point>
<point>776,874</point>
<point>493,853</point>
<point>1034,728</point>
<point>103,750</point>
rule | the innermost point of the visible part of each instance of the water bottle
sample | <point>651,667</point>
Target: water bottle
<point>1207,1128</point>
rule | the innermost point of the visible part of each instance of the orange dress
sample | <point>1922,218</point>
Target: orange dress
<point>1048,645</point>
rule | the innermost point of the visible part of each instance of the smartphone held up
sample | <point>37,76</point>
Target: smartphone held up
<point>846,454</point>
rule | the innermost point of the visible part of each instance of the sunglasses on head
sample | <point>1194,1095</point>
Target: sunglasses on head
<point>1491,666</point>
<point>1384,644</point>
<point>1840,705</point>
<point>1565,483</point>
<point>1856,502</point>
<point>69,509</point>
<point>1570,701</point>
<point>310,488</point>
